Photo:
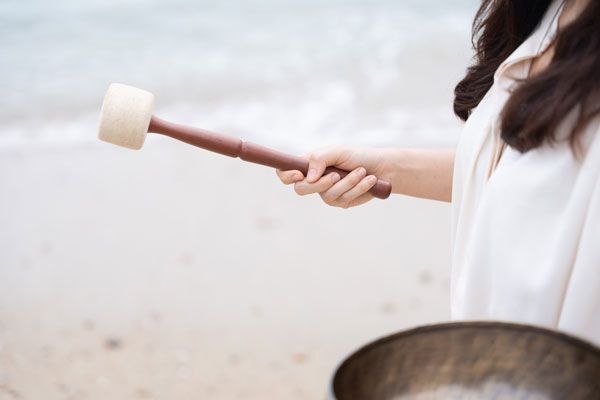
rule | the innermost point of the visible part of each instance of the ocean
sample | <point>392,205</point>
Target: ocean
<point>292,74</point>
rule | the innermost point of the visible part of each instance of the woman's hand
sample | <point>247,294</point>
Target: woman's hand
<point>365,166</point>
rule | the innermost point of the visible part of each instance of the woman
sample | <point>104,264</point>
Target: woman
<point>524,181</point>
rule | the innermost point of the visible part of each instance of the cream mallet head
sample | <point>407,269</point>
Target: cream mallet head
<point>125,116</point>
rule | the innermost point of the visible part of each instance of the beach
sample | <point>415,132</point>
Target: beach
<point>174,273</point>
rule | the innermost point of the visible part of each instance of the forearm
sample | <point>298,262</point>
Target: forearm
<point>421,173</point>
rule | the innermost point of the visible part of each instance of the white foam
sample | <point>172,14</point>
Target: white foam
<point>293,73</point>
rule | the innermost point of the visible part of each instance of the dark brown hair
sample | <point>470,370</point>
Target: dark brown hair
<point>538,104</point>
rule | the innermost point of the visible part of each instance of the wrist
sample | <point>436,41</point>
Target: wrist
<point>391,163</point>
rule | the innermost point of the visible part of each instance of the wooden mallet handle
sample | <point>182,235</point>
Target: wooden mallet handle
<point>254,153</point>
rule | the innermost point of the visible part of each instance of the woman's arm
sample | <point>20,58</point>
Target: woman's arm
<point>413,172</point>
<point>421,173</point>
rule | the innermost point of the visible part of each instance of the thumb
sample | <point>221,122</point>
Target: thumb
<point>321,159</point>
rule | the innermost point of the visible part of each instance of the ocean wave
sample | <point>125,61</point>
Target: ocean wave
<point>300,72</point>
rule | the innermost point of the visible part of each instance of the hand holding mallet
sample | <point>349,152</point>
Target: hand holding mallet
<point>126,118</point>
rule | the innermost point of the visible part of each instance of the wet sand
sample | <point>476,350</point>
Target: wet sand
<point>171,273</point>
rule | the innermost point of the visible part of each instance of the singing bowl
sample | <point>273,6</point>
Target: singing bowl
<point>471,360</point>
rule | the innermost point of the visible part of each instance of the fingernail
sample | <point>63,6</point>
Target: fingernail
<point>371,179</point>
<point>335,177</point>
<point>362,171</point>
<point>312,175</point>
<point>298,177</point>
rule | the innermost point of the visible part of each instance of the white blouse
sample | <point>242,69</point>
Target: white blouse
<point>526,227</point>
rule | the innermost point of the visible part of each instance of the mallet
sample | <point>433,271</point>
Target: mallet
<point>126,118</point>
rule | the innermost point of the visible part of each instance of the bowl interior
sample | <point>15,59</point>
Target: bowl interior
<point>471,361</point>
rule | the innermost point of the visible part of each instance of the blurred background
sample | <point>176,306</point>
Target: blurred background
<point>175,273</point>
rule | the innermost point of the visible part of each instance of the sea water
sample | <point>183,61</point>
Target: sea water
<point>293,74</point>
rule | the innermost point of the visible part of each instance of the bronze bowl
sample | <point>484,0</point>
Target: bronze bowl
<point>471,360</point>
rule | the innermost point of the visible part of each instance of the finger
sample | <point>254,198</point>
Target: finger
<point>316,167</point>
<point>361,188</point>
<point>304,187</point>
<point>360,200</point>
<point>319,160</point>
<point>289,177</point>
<point>349,181</point>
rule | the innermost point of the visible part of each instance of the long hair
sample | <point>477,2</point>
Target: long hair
<point>538,104</point>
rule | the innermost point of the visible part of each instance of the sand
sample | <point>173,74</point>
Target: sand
<point>171,273</point>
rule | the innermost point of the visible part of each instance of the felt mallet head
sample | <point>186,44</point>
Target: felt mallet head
<point>125,116</point>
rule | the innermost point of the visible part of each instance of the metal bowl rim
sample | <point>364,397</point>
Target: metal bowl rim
<point>509,326</point>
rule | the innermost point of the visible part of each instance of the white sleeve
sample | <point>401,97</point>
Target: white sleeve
<point>581,309</point>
